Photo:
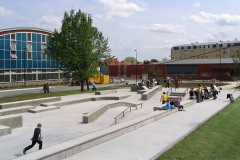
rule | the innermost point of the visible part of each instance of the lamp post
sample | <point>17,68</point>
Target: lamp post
<point>25,67</point>
<point>136,65</point>
<point>220,67</point>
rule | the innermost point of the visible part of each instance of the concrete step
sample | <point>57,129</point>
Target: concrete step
<point>43,109</point>
<point>5,130</point>
<point>16,110</point>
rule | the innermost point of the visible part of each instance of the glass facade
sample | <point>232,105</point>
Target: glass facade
<point>22,55</point>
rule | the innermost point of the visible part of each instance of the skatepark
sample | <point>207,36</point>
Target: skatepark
<point>116,124</point>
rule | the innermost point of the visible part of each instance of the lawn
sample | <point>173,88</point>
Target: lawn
<point>217,139</point>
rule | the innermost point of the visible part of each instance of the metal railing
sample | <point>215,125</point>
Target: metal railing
<point>170,90</point>
<point>186,91</point>
<point>123,112</point>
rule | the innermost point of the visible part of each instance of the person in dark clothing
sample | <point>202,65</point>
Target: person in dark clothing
<point>37,138</point>
<point>44,88</point>
<point>47,88</point>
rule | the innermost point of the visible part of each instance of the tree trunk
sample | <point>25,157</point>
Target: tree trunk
<point>82,85</point>
<point>87,84</point>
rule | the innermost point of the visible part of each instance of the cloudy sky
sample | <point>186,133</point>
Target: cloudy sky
<point>151,27</point>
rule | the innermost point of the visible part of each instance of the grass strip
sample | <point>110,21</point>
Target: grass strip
<point>216,139</point>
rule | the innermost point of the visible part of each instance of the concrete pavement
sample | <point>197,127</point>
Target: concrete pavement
<point>147,142</point>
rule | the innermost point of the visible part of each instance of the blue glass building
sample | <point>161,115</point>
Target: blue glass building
<point>22,56</point>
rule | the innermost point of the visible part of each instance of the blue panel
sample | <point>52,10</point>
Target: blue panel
<point>34,46</point>
<point>39,47</point>
<point>39,56</point>
<point>34,64</point>
<point>48,64</point>
<point>19,64</point>
<point>24,45</point>
<point>7,37</point>
<point>19,55</point>
<point>47,39</point>
<point>29,64</point>
<point>44,64</point>
<point>1,54</point>
<point>13,64</point>
<point>39,38</point>
<point>19,37</point>
<point>24,37</point>
<point>39,64</point>
<point>2,44</point>
<point>19,45</point>
<point>7,63</point>
<point>7,54</point>
<point>1,37</point>
<point>1,64</point>
<point>34,37</point>
<point>34,55</point>
<point>7,45</point>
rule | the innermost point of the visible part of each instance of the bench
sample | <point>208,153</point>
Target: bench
<point>43,109</point>
<point>5,130</point>
<point>28,102</point>
<point>12,121</point>
<point>93,115</point>
<point>150,92</point>
<point>105,92</point>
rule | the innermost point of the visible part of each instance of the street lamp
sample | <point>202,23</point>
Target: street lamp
<point>25,67</point>
<point>136,65</point>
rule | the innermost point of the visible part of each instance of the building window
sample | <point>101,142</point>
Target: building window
<point>29,37</point>
<point>29,47</point>
<point>13,55</point>
<point>44,56</point>
<point>13,36</point>
<point>29,55</point>
<point>13,45</point>
<point>43,38</point>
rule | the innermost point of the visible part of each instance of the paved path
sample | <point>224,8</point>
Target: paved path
<point>144,143</point>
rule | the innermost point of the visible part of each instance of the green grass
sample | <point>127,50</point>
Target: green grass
<point>218,139</point>
<point>51,94</point>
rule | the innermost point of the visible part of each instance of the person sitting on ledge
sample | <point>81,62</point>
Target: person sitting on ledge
<point>167,106</point>
<point>178,105</point>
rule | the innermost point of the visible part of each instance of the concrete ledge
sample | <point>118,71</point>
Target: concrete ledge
<point>16,110</point>
<point>4,130</point>
<point>12,121</point>
<point>141,91</point>
<point>76,145</point>
<point>28,102</point>
<point>149,93</point>
<point>105,92</point>
<point>93,115</point>
<point>64,103</point>
<point>43,109</point>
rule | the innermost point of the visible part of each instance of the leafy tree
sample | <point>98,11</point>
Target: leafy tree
<point>156,73</point>
<point>130,59</point>
<point>236,64</point>
<point>153,60</point>
<point>79,47</point>
<point>146,62</point>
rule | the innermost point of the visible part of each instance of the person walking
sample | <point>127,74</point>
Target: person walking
<point>164,98</point>
<point>94,86</point>
<point>37,138</point>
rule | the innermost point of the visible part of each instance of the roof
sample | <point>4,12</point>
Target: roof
<point>199,61</point>
<point>24,29</point>
<point>208,43</point>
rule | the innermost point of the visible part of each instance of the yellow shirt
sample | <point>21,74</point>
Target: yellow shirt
<point>164,97</point>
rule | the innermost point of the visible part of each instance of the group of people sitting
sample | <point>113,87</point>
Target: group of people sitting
<point>204,93</point>
<point>171,104</point>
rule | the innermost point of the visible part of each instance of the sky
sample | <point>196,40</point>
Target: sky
<point>146,29</point>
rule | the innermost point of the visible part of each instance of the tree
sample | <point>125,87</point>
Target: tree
<point>153,60</point>
<point>236,64</point>
<point>130,59</point>
<point>79,47</point>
